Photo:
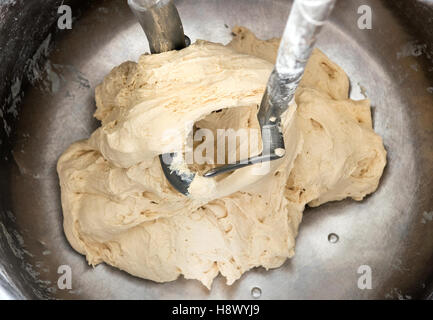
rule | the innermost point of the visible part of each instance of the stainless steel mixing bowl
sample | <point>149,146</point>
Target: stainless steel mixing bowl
<point>47,86</point>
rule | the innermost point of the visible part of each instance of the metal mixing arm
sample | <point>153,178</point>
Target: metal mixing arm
<point>161,24</point>
<point>163,27</point>
<point>304,23</point>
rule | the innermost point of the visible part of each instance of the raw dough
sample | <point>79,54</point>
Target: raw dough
<point>118,207</point>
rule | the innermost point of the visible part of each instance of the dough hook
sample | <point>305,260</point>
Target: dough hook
<point>163,27</point>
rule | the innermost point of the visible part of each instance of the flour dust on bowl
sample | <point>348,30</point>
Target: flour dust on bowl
<point>49,96</point>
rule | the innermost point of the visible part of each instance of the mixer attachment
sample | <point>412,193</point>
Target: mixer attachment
<point>161,22</point>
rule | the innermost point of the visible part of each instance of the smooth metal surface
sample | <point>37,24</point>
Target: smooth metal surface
<point>391,231</point>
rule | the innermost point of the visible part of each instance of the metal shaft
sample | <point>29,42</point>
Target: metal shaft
<point>299,37</point>
<point>161,23</point>
<point>304,24</point>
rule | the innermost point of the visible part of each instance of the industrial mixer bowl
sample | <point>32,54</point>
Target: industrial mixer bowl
<point>47,102</point>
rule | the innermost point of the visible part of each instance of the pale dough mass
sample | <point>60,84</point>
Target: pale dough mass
<point>118,207</point>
